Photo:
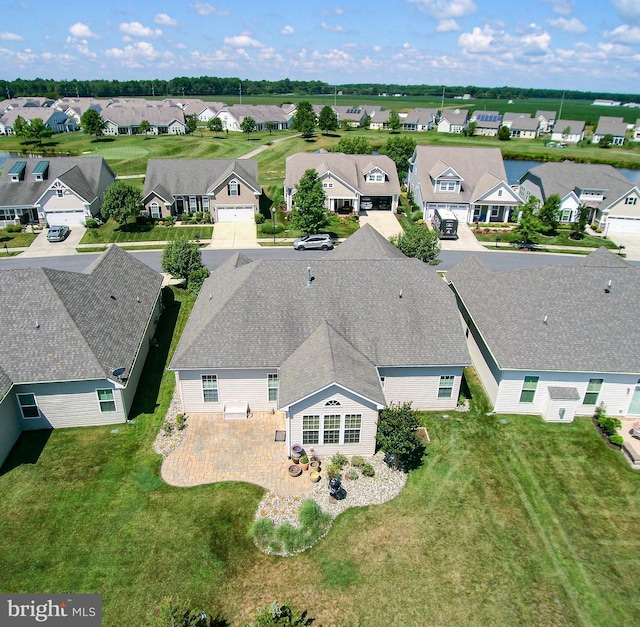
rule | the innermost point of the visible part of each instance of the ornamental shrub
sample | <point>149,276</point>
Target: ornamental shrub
<point>268,229</point>
<point>616,439</point>
<point>259,218</point>
<point>368,470</point>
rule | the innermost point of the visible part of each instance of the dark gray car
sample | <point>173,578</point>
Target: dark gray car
<point>58,233</point>
<point>315,242</point>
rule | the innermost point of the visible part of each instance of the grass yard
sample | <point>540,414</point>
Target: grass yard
<point>514,523</point>
<point>339,227</point>
<point>562,238</point>
<point>16,240</point>
<point>111,233</point>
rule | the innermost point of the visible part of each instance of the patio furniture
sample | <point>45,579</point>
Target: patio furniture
<point>635,429</point>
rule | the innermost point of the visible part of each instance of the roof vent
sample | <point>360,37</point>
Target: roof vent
<point>608,288</point>
<point>545,320</point>
<point>400,295</point>
<point>37,325</point>
<point>138,299</point>
<point>309,277</point>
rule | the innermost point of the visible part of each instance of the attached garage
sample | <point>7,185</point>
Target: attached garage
<point>620,224</point>
<point>69,217</point>
<point>240,213</point>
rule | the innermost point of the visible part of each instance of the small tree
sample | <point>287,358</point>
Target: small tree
<point>419,242</point>
<point>354,145</point>
<point>21,128</point>
<point>504,133</point>
<point>215,125</point>
<point>400,148</point>
<point>528,225</point>
<point>38,131</point>
<point>271,126</point>
<point>394,122</point>
<point>606,141</point>
<point>549,214</point>
<point>327,120</point>
<point>145,127</point>
<point>191,122</point>
<point>305,119</point>
<point>196,279</point>
<point>470,131</point>
<point>181,258</point>
<point>121,202</point>
<point>248,125</point>
<point>579,227</point>
<point>397,435</point>
<point>309,213</point>
<point>92,123</point>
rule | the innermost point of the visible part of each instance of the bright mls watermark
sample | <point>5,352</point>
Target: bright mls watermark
<point>52,610</point>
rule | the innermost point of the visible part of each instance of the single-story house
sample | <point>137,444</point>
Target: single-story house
<point>488,123</point>
<point>607,125</point>
<point>613,200</point>
<point>74,343</point>
<point>57,121</point>
<point>204,111</point>
<point>557,341</point>
<point>75,107</point>
<point>353,116</point>
<point>265,116</point>
<point>524,127</point>
<point>453,121</point>
<point>227,188</point>
<point>568,131</point>
<point>53,191</point>
<point>347,180</point>
<point>419,119</point>
<point>636,131</point>
<point>471,182</point>
<point>328,343</point>
<point>379,120</point>
<point>125,118</point>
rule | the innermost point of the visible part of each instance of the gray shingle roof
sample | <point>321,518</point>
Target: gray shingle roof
<point>81,174</point>
<point>73,326</point>
<point>197,176</point>
<point>366,243</point>
<point>586,330</point>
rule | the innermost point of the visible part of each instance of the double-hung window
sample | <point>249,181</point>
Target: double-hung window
<point>28,406</point>
<point>234,188</point>
<point>445,389</point>
<point>106,400</point>
<point>593,391</point>
<point>210,388</point>
<point>331,430</point>
<point>272,381</point>
<point>310,430</point>
<point>352,427</point>
<point>529,389</point>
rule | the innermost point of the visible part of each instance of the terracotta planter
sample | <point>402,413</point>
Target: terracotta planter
<point>314,466</point>
<point>294,470</point>
<point>314,476</point>
<point>303,465</point>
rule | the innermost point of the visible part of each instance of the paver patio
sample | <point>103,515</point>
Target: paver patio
<point>215,449</point>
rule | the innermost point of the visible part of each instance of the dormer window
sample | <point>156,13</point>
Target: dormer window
<point>234,188</point>
<point>447,186</point>
<point>375,176</point>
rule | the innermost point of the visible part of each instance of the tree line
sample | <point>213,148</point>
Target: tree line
<point>220,87</point>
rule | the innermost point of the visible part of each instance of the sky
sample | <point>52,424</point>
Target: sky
<point>588,45</point>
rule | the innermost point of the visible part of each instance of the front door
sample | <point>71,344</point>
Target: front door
<point>634,408</point>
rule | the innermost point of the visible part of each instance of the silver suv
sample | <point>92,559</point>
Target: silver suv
<point>318,242</point>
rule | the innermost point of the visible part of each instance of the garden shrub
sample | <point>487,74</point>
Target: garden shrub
<point>333,471</point>
<point>268,229</point>
<point>352,474</point>
<point>206,217</point>
<point>416,215</point>
<point>339,460</point>
<point>199,216</point>
<point>608,425</point>
<point>368,470</point>
<point>357,461</point>
<point>259,218</point>
<point>91,223</point>
<point>169,221</point>
<point>14,228</point>
<point>616,439</point>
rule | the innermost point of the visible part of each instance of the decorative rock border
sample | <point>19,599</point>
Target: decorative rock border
<point>165,441</point>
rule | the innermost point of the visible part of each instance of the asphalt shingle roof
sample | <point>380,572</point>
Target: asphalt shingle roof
<point>62,326</point>
<point>366,243</point>
<point>586,328</point>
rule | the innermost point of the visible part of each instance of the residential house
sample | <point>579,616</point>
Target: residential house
<point>53,191</point>
<point>226,188</point>
<point>613,201</point>
<point>379,121</point>
<point>74,343</point>
<point>524,127</point>
<point>453,121</point>
<point>21,103</point>
<point>347,180</point>
<point>487,123</point>
<point>636,131</point>
<point>125,119</point>
<point>568,131</point>
<point>607,125</point>
<point>56,120</point>
<point>352,116</point>
<point>556,341</point>
<point>471,182</point>
<point>547,119</point>
<point>509,117</point>
<point>328,344</point>
<point>74,108</point>
<point>265,117</point>
<point>204,111</point>
<point>419,120</point>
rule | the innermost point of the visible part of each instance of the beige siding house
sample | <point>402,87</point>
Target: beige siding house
<point>554,341</point>
<point>226,188</point>
<point>327,345</point>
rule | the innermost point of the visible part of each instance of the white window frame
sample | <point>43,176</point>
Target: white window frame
<point>205,203</point>
<point>327,185</point>
<point>272,386</point>
<point>104,402</point>
<point>24,406</point>
<point>352,429</point>
<point>330,428</point>
<point>333,403</point>
<point>311,430</point>
<point>630,200</point>
<point>447,186</point>
<point>530,385</point>
<point>155,210</point>
<point>234,188</point>
<point>60,193</point>
<point>445,386</point>
<point>594,387</point>
<point>212,388</point>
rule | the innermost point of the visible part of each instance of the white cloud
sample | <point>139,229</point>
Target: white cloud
<point>625,34</point>
<point>242,41</point>
<point>480,40</point>
<point>10,37</point>
<point>444,9</point>
<point>165,20</point>
<point>204,8</point>
<point>629,9</point>
<point>82,31</point>
<point>447,26</point>
<point>563,7</point>
<point>331,29</point>
<point>287,30</point>
<point>134,55</point>
<point>572,25</point>
<point>135,29</point>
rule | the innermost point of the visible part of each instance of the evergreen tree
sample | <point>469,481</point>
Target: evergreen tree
<point>327,120</point>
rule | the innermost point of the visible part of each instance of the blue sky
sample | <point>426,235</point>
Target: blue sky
<point>562,44</point>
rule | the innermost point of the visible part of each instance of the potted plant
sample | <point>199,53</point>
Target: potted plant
<point>314,465</point>
<point>304,462</point>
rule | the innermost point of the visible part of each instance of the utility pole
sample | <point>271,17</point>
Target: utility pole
<point>561,103</point>
<point>240,91</point>
<point>442,107</point>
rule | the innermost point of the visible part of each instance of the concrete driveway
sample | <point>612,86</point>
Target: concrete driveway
<point>42,247</point>
<point>234,235</point>
<point>466,240</point>
<point>385,222</point>
<point>631,243</point>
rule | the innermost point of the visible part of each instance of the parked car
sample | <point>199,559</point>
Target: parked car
<point>58,233</point>
<point>366,204</point>
<point>318,242</point>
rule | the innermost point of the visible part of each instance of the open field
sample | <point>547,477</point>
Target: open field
<point>510,521</point>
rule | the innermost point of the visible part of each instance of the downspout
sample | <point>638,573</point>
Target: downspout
<point>288,425</point>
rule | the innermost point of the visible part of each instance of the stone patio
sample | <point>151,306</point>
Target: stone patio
<point>631,442</point>
<point>215,449</point>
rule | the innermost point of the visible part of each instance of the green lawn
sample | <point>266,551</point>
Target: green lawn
<point>16,240</point>
<point>562,238</point>
<point>514,523</point>
<point>339,227</point>
<point>111,233</point>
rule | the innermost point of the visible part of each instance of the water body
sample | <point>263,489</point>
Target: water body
<point>515,169</point>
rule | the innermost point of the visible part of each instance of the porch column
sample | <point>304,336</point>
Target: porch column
<point>507,212</point>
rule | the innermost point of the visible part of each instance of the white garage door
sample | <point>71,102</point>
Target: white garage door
<point>623,225</point>
<point>70,218</point>
<point>235,214</point>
